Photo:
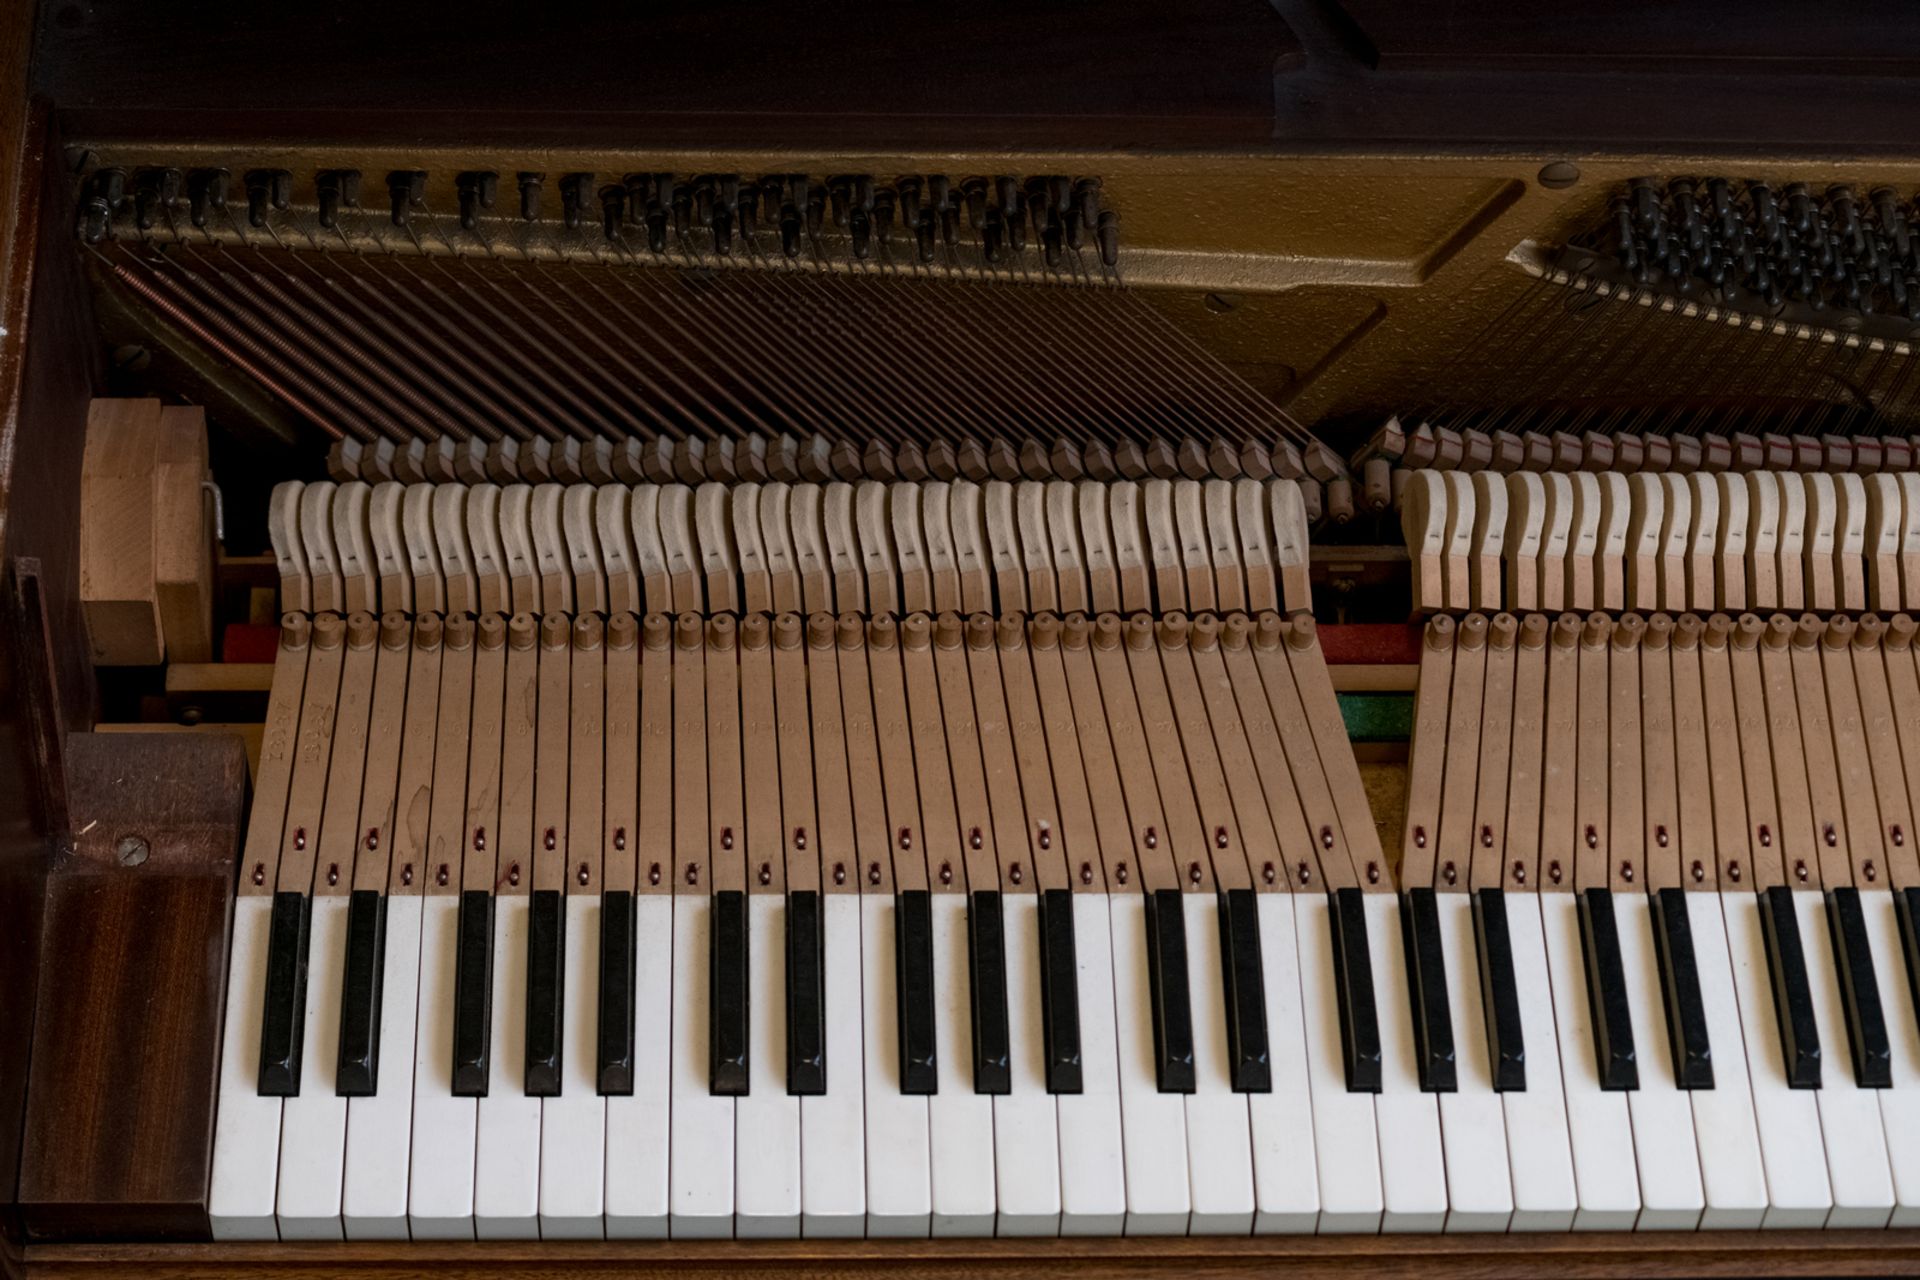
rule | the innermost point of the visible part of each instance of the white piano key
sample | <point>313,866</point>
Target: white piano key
<point>1026,1124</point>
<point>1219,1137</point>
<point>766,1122</point>
<point>638,1124</point>
<point>1787,1120</point>
<point>1413,1175</point>
<point>959,1121</point>
<point>246,1133</point>
<point>1093,1184</point>
<point>573,1126</point>
<point>313,1124</point>
<point>1347,1157</point>
<point>1153,1125</point>
<point>1857,1164</point>
<point>1900,1105</point>
<point>700,1146</point>
<point>1671,1195</point>
<point>1601,1134</point>
<point>440,1173</point>
<point>379,1127</point>
<point>1731,1171</point>
<point>833,1175</point>
<point>1473,1125</point>
<point>1286,1184</point>
<point>899,1167</point>
<point>1539,1152</point>
<point>506,1171</point>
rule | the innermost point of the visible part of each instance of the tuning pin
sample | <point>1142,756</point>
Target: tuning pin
<point>107,192</point>
<point>840,198</point>
<point>406,190</point>
<point>267,188</point>
<point>1107,236</point>
<point>974,192</point>
<point>574,188</point>
<point>154,189</point>
<point>613,211</point>
<point>206,189</point>
<point>923,235</point>
<point>790,231</point>
<point>477,190</point>
<point>992,234</point>
<point>530,184</point>
<point>336,189</point>
<point>816,209</point>
<point>883,209</point>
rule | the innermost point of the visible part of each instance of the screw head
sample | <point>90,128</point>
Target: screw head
<point>131,850</point>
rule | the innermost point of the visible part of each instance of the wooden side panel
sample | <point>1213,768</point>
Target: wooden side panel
<point>119,1133</point>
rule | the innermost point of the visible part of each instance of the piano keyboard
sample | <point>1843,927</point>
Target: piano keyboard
<point>691,926</point>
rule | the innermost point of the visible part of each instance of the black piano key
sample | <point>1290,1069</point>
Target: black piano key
<point>1353,985</point>
<point>283,1022</point>
<point>473,995</point>
<point>913,979</point>
<point>1499,991</point>
<point>1680,991</point>
<point>806,997</point>
<point>727,994</point>
<point>1244,973</point>
<point>1906,903</point>
<point>987,993</point>
<point>1433,1054</point>
<point>357,1074</point>
<point>1859,991</point>
<point>1170,994</point>
<point>546,1008</point>
<point>1607,992</point>
<point>1792,997</point>
<point>614,1049</point>
<point>1059,992</point>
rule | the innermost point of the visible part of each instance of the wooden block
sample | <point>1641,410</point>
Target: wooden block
<point>117,588</point>
<point>183,535</point>
<point>119,1133</point>
<point>249,735</point>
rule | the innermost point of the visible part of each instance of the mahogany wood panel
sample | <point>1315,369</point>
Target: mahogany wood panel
<point>1583,1256</point>
<point>119,1134</point>
<point>998,72</point>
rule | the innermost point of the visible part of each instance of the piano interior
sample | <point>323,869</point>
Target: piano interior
<point>1227,637</point>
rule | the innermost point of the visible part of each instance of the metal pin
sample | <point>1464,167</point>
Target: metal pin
<point>440,876</point>
<point>1593,836</point>
<point>1046,836</point>
<point>1451,875</point>
<point>1120,872</point>
<point>800,838</point>
<point>549,839</point>
<point>1626,872</point>
<point>906,838</point>
<point>513,873</point>
<point>1268,873</point>
<point>1660,836</point>
<point>1419,837</point>
<point>1015,874</point>
<point>479,839</point>
<point>693,873</point>
<point>1373,873</point>
<point>973,839</point>
<point>373,838</point>
<point>653,874</point>
<point>1766,837</point>
<point>1519,873</point>
<point>1152,838</point>
<point>1305,873</point>
<point>583,873</point>
<point>333,873</point>
<point>406,873</point>
<point>1086,873</point>
<point>1486,836</point>
<point>726,837</point>
<point>300,838</point>
<point>1699,871</point>
<point>620,838</point>
<point>766,873</point>
<point>1193,872</point>
<point>1553,871</point>
<point>1831,836</point>
<point>1868,870</point>
<point>1733,872</point>
<point>1326,837</point>
<point>1800,869</point>
<point>873,873</point>
<point>1219,837</point>
<point>946,873</point>
<point>259,873</point>
<point>839,873</point>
